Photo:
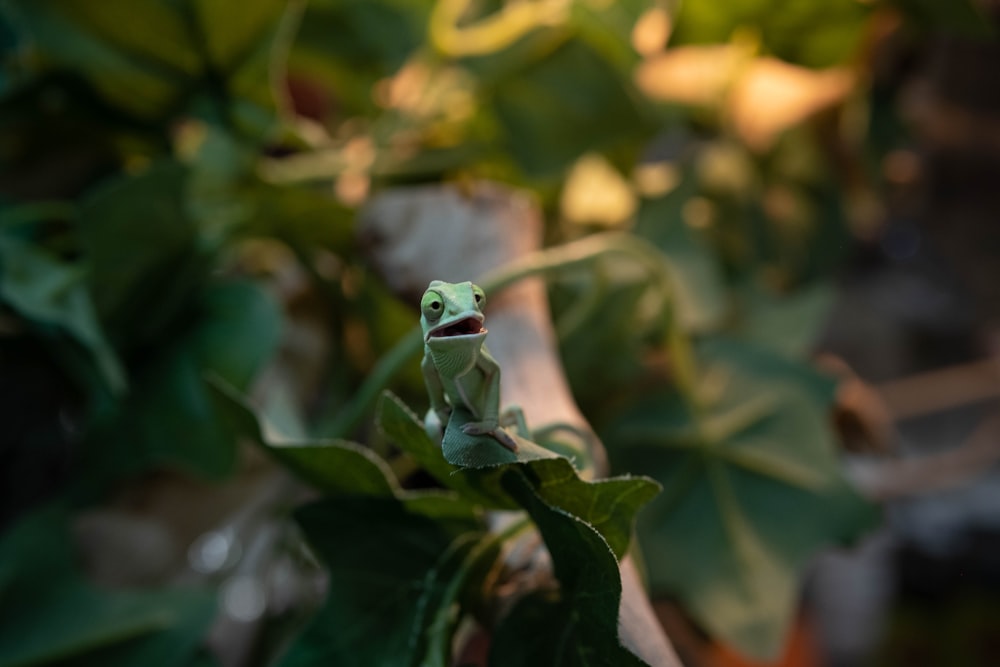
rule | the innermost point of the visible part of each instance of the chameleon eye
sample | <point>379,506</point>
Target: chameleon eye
<point>432,305</point>
<point>478,295</point>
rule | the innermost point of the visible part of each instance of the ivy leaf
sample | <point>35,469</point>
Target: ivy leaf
<point>560,107</point>
<point>147,56</point>
<point>332,466</point>
<point>697,280</point>
<point>579,624</point>
<point>52,615</point>
<point>140,242</point>
<point>398,560</point>
<point>751,492</point>
<point>608,505</point>
<point>790,323</point>
<point>381,555</point>
<point>169,417</point>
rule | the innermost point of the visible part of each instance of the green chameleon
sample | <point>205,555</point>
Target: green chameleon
<point>463,379</point>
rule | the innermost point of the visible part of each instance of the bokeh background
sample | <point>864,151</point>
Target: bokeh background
<point>183,185</point>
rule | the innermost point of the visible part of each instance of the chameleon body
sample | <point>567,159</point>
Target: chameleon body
<point>463,379</point>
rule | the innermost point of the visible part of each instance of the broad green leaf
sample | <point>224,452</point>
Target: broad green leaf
<point>47,291</point>
<point>607,505</point>
<point>150,57</point>
<point>354,473</point>
<point>567,104</point>
<point>603,314</point>
<point>232,33</point>
<point>51,614</point>
<point>789,324</point>
<point>332,466</point>
<point>382,556</point>
<point>579,626</point>
<point>348,45</point>
<point>607,28</point>
<point>752,490</point>
<point>142,252</point>
<point>136,54</point>
<point>698,284</point>
<point>169,418</point>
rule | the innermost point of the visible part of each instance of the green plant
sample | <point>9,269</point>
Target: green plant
<point>167,219</point>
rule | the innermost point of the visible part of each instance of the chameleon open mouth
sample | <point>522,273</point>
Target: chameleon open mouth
<point>464,327</point>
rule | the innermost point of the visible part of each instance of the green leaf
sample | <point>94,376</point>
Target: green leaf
<point>382,556</point>
<point>51,614</point>
<point>752,491</point>
<point>789,324</point>
<point>169,418</point>
<point>349,45</point>
<point>608,505</point>
<point>697,281</point>
<point>834,28</point>
<point>355,475</point>
<point>332,466</point>
<point>579,626</point>
<point>136,54</point>
<point>142,252</point>
<point>558,108</point>
<point>45,290</point>
<point>149,57</point>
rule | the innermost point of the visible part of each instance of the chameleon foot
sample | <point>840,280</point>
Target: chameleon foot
<point>500,435</point>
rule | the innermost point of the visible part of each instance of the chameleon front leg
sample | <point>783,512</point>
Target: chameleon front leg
<point>437,416</point>
<point>489,418</point>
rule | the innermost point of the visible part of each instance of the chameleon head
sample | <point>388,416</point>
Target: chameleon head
<point>452,311</point>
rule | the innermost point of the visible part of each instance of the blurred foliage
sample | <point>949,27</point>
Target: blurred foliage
<point>178,186</point>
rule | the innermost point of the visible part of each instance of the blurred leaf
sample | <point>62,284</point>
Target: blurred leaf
<point>137,54</point>
<point>148,56</point>
<point>834,28</point>
<point>349,45</point>
<point>304,218</point>
<point>607,28</point>
<point>139,244</point>
<point>169,418</point>
<point>571,102</point>
<point>697,283</point>
<point>752,490</point>
<point>51,615</point>
<point>604,315</point>
<point>790,323</point>
<point>50,292</point>
<point>579,626</point>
